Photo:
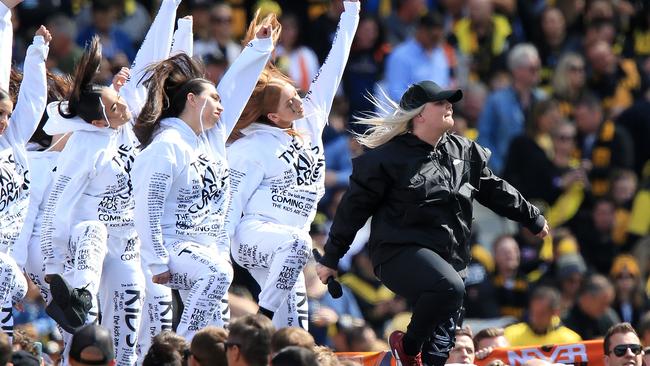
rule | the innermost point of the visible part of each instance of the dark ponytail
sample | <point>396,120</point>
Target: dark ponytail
<point>168,84</point>
<point>84,97</point>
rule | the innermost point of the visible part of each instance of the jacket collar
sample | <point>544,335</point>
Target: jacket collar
<point>183,128</point>
<point>57,124</point>
<point>412,140</point>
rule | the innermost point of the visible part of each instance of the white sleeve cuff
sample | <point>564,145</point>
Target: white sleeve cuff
<point>263,44</point>
<point>352,6</point>
<point>157,269</point>
<point>54,268</point>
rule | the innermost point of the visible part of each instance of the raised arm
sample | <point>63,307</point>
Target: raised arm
<point>75,166</point>
<point>236,86</point>
<point>155,47</point>
<point>152,178</point>
<point>32,97</point>
<point>183,37</point>
<point>323,87</point>
<point>6,44</point>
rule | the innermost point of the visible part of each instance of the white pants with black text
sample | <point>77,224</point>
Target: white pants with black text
<point>157,313</point>
<point>13,287</point>
<point>109,266</point>
<point>276,255</point>
<point>35,267</point>
<point>205,275</point>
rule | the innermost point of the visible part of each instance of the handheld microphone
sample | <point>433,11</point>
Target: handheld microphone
<point>333,286</point>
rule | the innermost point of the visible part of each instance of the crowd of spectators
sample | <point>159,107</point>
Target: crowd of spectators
<point>556,89</point>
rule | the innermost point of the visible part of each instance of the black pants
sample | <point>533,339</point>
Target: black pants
<point>436,291</point>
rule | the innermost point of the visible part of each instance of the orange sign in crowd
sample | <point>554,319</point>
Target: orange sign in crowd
<point>588,353</point>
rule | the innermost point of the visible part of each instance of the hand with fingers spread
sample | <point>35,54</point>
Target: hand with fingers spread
<point>42,31</point>
<point>121,78</point>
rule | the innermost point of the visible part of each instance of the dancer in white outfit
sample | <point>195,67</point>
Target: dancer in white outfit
<point>181,177</point>
<point>88,229</point>
<point>16,127</point>
<point>157,311</point>
<point>277,175</point>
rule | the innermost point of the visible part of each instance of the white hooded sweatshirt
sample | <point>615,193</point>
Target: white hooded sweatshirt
<point>279,177</point>
<point>92,180</point>
<point>181,179</point>
<point>14,167</point>
<point>43,163</point>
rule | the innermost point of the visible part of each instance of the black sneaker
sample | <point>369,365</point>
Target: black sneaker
<point>56,313</point>
<point>73,303</point>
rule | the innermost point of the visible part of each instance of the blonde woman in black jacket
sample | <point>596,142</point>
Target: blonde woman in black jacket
<point>418,183</point>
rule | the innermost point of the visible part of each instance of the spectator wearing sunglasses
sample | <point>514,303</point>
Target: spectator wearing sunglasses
<point>219,42</point>
<point>622,346</point>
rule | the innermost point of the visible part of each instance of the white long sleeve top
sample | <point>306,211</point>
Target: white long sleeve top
<point>92,180</point>
<point>181,179</point>
<point>277,177</point>
<point>14,166</point>
<point>6,46</point>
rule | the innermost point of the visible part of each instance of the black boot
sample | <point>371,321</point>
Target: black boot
<point>69,306</point>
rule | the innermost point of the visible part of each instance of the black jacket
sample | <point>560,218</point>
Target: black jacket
<point>421,195</point>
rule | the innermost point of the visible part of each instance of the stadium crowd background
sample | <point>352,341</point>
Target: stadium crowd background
<point>557,89</point>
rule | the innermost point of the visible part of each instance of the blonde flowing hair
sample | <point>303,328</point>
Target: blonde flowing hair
<point>387,121</point>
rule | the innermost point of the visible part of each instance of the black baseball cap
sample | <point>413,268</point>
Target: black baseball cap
<point>426,91</point>
<point>96,336</point>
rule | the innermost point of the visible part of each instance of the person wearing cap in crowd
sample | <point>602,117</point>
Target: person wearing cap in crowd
<point>419,182</point>
<point>569,274</point>
<point>92,345</point>
<point>630,300</point>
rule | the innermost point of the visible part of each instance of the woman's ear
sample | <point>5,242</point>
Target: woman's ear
<point>273,117</point>
<point>191,98</point>
<point>100,123</point>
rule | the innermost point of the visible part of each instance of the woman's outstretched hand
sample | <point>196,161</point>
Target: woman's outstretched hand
<point>42,31</point>
<point>264,32</point>
<point>120,78</point>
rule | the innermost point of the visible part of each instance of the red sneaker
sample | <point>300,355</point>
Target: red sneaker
<point>396,348</point>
